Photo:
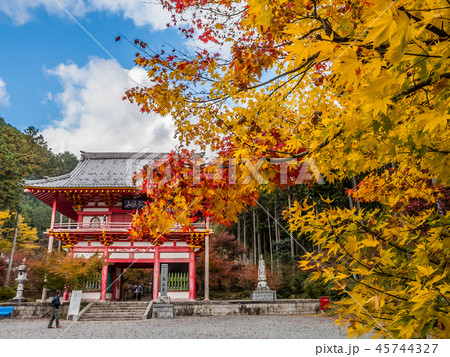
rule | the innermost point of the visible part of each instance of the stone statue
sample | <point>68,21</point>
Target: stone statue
<point>263,292</point>
<point>262,273</point>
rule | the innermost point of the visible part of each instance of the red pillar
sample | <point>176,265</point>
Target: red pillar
<point>156,274</point>
<point>53,218</point>
<point>192,275</point>
<point>104,283</point>
<point>52,222</point>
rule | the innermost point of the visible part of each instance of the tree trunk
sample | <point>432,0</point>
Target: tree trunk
<point>13,247</point>
<point>245,241</point>
<point>239,235</point>
<point>207,267</point>
<point>260,248</point>
<point>255,258</point>
<point>358,206</point>
<point>277,235</point>
<point>290,232</point>
<point>270,243</point>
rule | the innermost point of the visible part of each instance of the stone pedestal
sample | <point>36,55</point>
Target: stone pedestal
<point>162,308</point>
<point>22,299</point>
<point>260,295</point>
<point>162,311</point>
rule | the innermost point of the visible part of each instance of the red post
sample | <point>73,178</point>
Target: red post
<point>192,275</point>
<point>324,302</point>
<point>66,294</point>
<point>55,203</point>
<point>52,222</point>
<point>80,220</point>
<point>104,283</point>
<point>156,274</point>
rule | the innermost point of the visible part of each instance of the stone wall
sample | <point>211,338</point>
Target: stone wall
<point>246,307</point>
<point>35,310</point>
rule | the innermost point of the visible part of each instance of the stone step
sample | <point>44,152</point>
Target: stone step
<point>111,315</point>
<point>90,317</point>
<point>113,318</point>
<point>116,310</point>
<point>108,312</point>
<point>118,307</point>
<point>122,303</point>
<point>105,308</point>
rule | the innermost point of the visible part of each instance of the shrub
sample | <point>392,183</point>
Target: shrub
<point>317,288</point>
<point>7,293</point>
<point>298,283</point>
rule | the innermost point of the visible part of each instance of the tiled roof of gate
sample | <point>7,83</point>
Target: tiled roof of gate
<point>100,169</point>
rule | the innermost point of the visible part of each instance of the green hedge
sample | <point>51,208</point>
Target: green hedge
<point>7,293</point>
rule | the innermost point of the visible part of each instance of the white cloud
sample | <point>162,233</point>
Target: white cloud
<point>142,13</point>
<point>94,116</point>
<point>21,11</point>
<point>4,97</point>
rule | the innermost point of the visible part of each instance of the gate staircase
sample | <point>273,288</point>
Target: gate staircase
<point>115,310</point>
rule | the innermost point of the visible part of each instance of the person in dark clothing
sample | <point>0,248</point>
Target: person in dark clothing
<point>140,291</point>
<point>56,303</point>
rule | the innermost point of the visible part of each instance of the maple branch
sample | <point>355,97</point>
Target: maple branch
<point>306,152</point>
<point>215,12</point>
<point>303,74</point>
<point>307,61</point>
<point>438,151</point>
<point>419,85</point>
<point>380,272</point>
<point>309,33</point>
<point>379,290</point>
<point>378,317</point>
<point>328,28</point>
<point>343,247</point>
<point>297,84</point>
<point>436,30</point>
<point>321,145</point>
<point>421,55</point>
<point>435,9</point>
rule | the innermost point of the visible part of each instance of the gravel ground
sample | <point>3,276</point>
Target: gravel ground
<point>247,327</point>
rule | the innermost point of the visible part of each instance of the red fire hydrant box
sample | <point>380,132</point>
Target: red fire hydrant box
<point>324,302</point>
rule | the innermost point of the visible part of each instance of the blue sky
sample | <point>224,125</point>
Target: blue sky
<point>55,77</point>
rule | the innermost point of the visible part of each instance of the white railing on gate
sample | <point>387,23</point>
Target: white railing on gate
<point>108,226</point>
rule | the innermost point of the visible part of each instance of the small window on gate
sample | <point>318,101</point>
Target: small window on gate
<point>95,222</point>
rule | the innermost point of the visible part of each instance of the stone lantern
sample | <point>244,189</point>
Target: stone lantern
<point>22,276</point>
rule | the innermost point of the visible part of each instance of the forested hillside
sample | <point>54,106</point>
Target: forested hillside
<point>26,155</point>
